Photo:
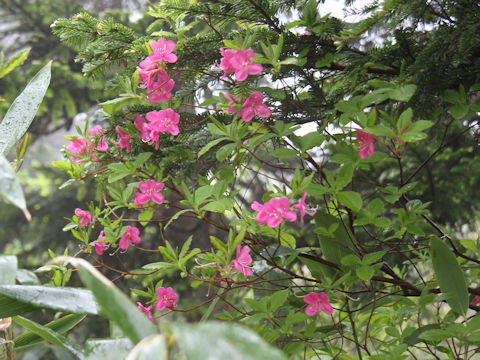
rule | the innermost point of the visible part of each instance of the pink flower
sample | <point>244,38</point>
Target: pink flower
<point>166,298</point>
<point>84,217</point>
<point>146,310</point>
<point>150,190</point>
<point>366,141</point>
<point>302,207</point>
<point>238,62</point>
<point>131,235</point>
<point>99,139</point>
<point>101,246</point>
<point>124,141</point>
<point>77,146</point>
<point>476,300</point>
<point>162,50</point>
<point>148,70</point>
<point>254,106</point>
<point>144,133</point>
<point>242,261</point>
<point>273,212</point>
<point>162,121</point>
<point>317,302</point>
<point>233,101</point>
<point>161,89</point>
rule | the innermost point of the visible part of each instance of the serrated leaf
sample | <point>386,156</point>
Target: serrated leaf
<point>14,62</point>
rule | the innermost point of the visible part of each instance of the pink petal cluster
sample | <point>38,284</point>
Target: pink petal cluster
<point>233,100</point>
<point>317,302</point>
<point>146,310</point>
<point>274,211</point>
<point>100,245</point>
<point>303,208</point>
<point>152,74</point>
<point>149,190</point>
<point>366,141</point>
<point>84,217</point>
<point>242,262</point>
<point>166,298</point>
<point>131,235</point>
<point>476,300</point>
<point>238,62</point>
<point>163,121</point>
<point>124,140</point>
<point>85,147</point>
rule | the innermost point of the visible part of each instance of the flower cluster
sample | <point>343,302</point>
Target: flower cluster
<point>253,106</point>
<point>96,141</point>
<point>166,299</point>
<point>84,217</point>
<point>242,262</point>
<point>152,74</point>
<point>239,63</point>
<point>101,245</point>
<point>163,121</point>
<point>129,236</point>
<point>366,142</point>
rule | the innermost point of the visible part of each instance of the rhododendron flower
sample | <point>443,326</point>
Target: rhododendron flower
<point>366,141</point>
<point>238,62</point>
<point>124,141</point>
<point>78,146</point>
<point>317,302</point>
<point>84,217</point>
<point>163,121</point>
<point>254,106</point>
<point>150,190</point>
<point>233,100</point>
<point>100,245</point>
<point>166,298</point>
<point>273,212</point>
<point>476,300</point>
<point>146,310</point>
<point>144,133</point>
<point>302,208</point>
<point>242,261</point>
<point>99,139</point>
<point>131,235</point>
<point>161,89</point>
<point>162,50</point>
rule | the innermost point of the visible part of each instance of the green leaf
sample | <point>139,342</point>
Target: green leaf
<point>344,176</point>
<point>403,93</point>
<point>152,347</point>
<point>365,272</point>
<point>114,304</point>
<point>225,151</point>
<point>117,104</point>
<point>436,335</point>
<point>107,349</point>
<point>27,298</point>
<point>60,326</point>
<point>288,240</point>
<point>211,144</point>
<point>217,340</point>
<point>10,188</point>
<point>414,131</point>
<point>459,111</point>
<point>8,269</point>
<point>449,276</point>
<point>350,199</point>
<point>23,109</point>
<point>278,299</point>
<point>14,62</point>
<point>145,216</point>
<point>284,153</point>
<point>380,130</point>
<point>404,120</point>
<point>414,337</point>
<point>50,335</point>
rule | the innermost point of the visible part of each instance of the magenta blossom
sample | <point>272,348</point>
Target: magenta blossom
<point>100,245</point>
<point>161,89</point>
<point>163,121</point>
<point>131,235</point>
<point>238,62</point>
<point>99,139</point>
<point>84,217</point>
<point>124,141</point>
<point>254,106</point>
<point>273,212</point>
<point>162,50</point>
<point>225,64</point>
<point>303,209</point>
<point>317,302</point>
<point>149,190</point>
<point>144,133</point>
<point>166,298</point>
<point>476,300</point>
<point>77,146</point>
<point>366,141</point>
<point>146,310</point>
<point>242,261</point>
